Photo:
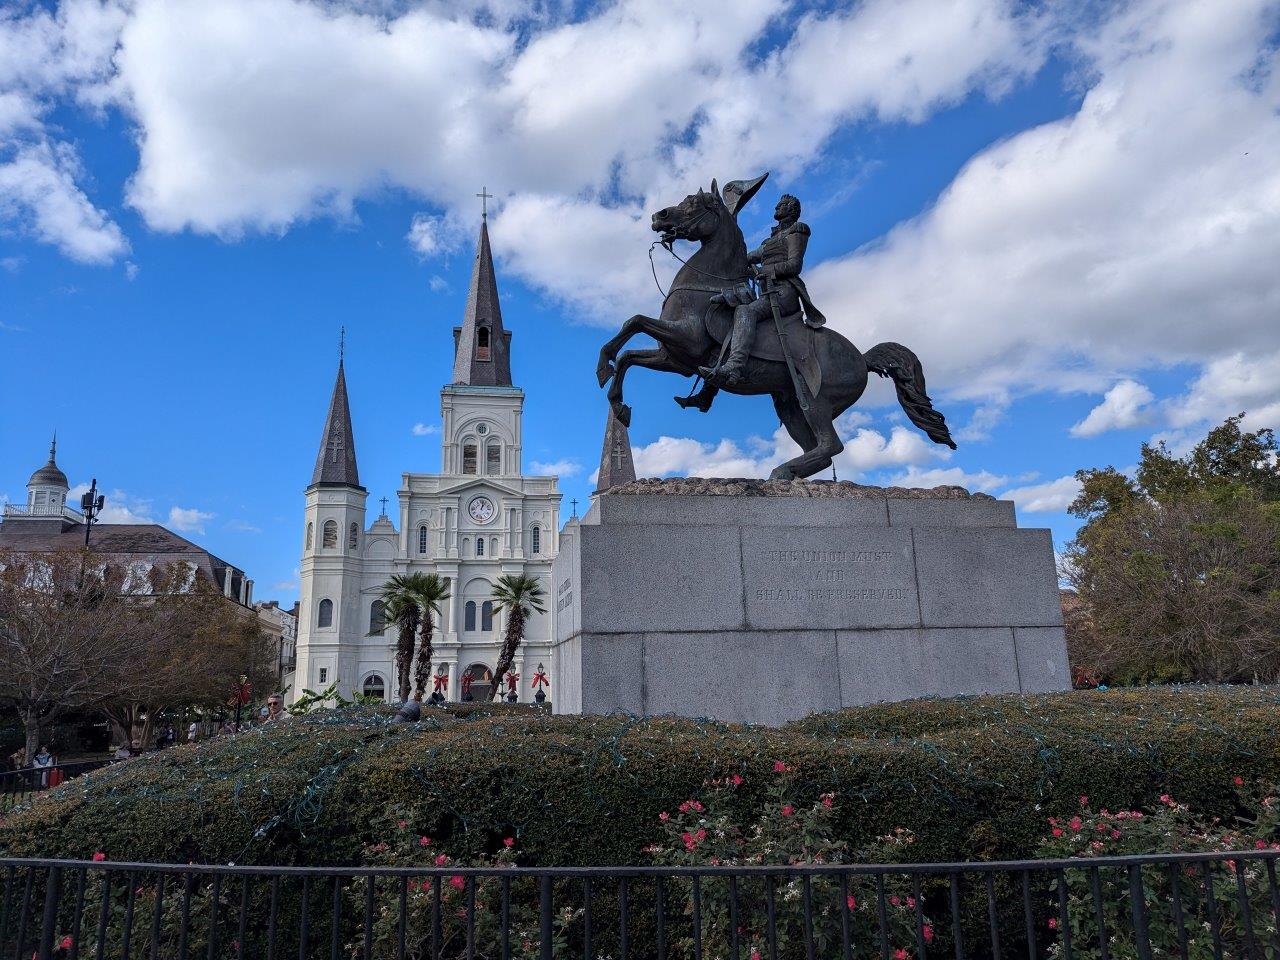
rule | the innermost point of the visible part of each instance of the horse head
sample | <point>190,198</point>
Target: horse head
<point>695,218</point>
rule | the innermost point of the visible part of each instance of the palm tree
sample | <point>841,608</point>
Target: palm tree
<point>400,600</point>
<point>429,592</point>
<point>518,594</point>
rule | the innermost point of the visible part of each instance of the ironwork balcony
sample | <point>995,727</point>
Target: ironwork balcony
<point>43,510</point>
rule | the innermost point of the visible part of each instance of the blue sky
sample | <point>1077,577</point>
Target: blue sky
<point>1073,220</point>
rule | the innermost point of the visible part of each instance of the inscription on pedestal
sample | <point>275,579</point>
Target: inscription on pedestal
<point>817,584</point>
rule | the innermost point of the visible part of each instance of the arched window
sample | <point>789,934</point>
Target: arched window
<point>469,457</point>
<point>469,616</point>
<point>486,616</point>
<point>353,537</point>
<point>422,539</point>
<point>482,343</point>
<point>479,546</point>
<point>374,686</point>
<point>324,616</point>
<point>377,617</point>
<point>535,539</point>
<point>329,538</point>
<point>311,529</point>
<point>493,458</point>
<point>493,547</point>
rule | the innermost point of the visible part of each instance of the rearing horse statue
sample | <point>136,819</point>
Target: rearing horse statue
<point>812,375</point>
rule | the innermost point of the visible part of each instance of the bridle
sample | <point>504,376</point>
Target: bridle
<point>666,245</point>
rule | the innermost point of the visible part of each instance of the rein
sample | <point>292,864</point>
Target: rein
<point>666,294</point>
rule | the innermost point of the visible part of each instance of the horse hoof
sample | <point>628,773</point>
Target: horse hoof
<point>604,372</point>
<point>782,473</point>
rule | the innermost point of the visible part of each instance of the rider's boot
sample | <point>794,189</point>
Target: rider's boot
<point>730,372</point>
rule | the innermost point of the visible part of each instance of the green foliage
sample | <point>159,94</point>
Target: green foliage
<point>964,775</point>
<point>1202,900</point>
<point>1178,569</point>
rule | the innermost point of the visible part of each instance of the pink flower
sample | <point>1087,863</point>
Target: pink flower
<point>697,807</point>
<point>687,838</point>
<point>99,857</point>
<point>1238,781</point>
<point>441,860</point>
<point>911,903</point>
<point>851,903</point>
<point>1259,844</point>
<point>928,933</point>
<point>1084,801</point>
<point>779,767</point>
<point>901,954</point>
<point>458,881</point>
<point>1075,823</point>
<point>65,943</point>
<point>1057,831</point>
<point>424,842</point>
<point>894,901</point>
<point>755,955</point>
<point>736,779</point>
<point>827,800</point>
<point>684,807</point>
<point>701,835</point>
<point>508,842</point>
<point>1166,799</point>
<point>402,824</point>
<point>664,816</point>
<point>1053,923</point>
<point>1115,834</point>
<point>788,809</point>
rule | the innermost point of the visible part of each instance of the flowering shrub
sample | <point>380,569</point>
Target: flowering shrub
<point>1208,893</point>
<point>708,831</point>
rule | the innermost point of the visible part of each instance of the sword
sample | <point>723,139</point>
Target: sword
<point>771,291</point>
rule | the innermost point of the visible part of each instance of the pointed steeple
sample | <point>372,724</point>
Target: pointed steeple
<point>482,348</point>
<point>616,464</point>
<point>336,461</point>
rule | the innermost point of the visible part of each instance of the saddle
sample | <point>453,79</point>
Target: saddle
<point>802,341</point>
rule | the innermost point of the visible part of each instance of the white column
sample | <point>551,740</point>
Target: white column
<point>454,692</point>
<point>226,583</point>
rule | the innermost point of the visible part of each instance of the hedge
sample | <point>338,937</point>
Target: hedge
<point>973,777</point>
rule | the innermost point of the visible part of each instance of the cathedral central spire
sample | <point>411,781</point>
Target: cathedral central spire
<point>336,461</point>
<point>482,348</point>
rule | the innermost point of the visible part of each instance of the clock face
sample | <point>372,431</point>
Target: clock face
<point>481,509</point>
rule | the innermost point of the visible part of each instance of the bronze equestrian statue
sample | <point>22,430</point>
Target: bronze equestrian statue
<point>773,336</point>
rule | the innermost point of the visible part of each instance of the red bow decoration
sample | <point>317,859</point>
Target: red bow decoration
<point>442,683</point>
<point>540,680</point>
<point>512,680</point>
<point>467,680</point>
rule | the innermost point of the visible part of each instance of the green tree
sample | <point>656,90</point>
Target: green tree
<point>412,601</point>
<point>400,607</point>
<point>519,595</point>
<point>1178,567</point>
<point>430,592</point>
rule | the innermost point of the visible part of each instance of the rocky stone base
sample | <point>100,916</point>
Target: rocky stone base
<point>814,489</point>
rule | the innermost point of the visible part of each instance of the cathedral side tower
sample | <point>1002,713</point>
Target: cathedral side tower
<point>329,616</point>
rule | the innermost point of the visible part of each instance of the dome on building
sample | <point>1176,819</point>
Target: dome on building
<point>49,475</point>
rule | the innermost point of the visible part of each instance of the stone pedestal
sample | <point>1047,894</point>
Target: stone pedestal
<point>764,601</point>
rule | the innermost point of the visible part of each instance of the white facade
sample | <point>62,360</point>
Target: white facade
<point>480,518</point>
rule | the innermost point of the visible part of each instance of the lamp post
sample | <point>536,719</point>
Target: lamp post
<point>91,505</point>
<point>243,691</point>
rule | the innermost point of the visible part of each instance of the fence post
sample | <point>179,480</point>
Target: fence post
<point>545,917</point>
<point>1138,907</point>
<point>49,923</point>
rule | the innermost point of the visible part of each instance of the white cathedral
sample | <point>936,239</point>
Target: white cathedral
<point>478,519</point>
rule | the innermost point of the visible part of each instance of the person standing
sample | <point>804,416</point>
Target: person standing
<point>43,761</point>
<point>275,709</point>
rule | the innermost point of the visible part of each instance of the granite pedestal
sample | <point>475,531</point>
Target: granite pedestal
<point>761,602</point>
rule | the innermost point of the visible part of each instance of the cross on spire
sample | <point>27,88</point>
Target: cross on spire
<point>575,507</point>
<point>485,196</point>
<point>342,343</point>
<point>384,506</point>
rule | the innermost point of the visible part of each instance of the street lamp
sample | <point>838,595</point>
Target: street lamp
<point>91,505</point>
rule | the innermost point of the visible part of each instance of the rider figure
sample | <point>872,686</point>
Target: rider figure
<point>777,262</point>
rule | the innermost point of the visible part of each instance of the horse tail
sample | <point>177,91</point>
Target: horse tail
<point>895,361</point>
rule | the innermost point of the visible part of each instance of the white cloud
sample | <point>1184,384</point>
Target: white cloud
<point>1231,385</point>
<point>556,468</point>
<point>1141,230</point>
<point>188,519</point>
<point>437,283</point>
<point>118,506</point>
<point>425,429</point>
<point>431,236</point>
<point>131,271</point>
<point>1050,497</point>
<point>241,526</point>
<point>869,450</point>
<point>981,481</point>
<point>1125,405</point>
<point>46,57</point>
<point>38,191</point>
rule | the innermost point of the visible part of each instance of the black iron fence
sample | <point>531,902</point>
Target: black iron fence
<point>1189,906</point>
<point>17,786</point>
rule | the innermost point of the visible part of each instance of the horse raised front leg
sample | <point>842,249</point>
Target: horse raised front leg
<point>609,352</point>
<point>649,359</point>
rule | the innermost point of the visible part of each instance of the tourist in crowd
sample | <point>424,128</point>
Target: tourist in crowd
<point>43,761</point>
<point>18,759</point>
<point>275,708</point>
<point>123,752</point>
<point>193,732</point>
